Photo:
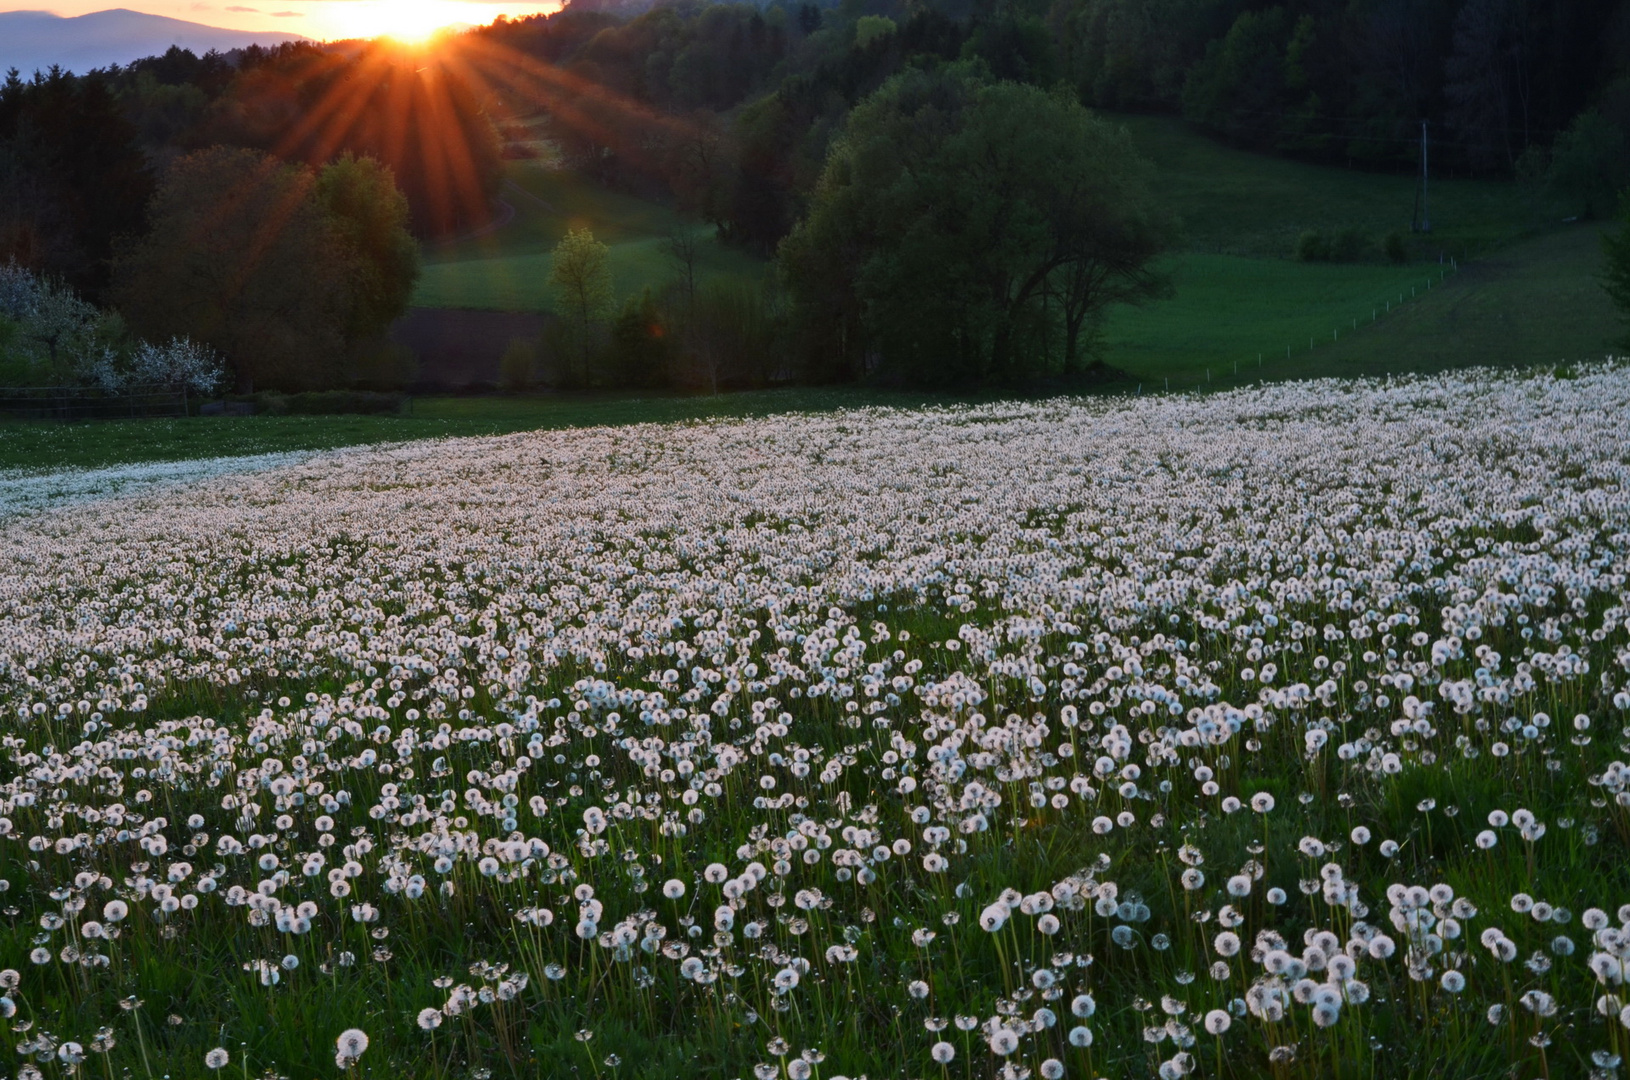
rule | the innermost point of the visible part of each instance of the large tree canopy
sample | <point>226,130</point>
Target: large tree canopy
<point>284,271</point>
<point>968,232</point>
<point>371,218</point>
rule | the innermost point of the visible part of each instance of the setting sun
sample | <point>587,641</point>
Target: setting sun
<point>404,20</point>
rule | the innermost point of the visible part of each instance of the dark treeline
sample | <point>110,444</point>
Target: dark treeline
<point>81,156</point>
<point>763,90</point>
<point>1351,80</point>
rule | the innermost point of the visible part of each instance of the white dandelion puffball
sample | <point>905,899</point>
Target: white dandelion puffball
<point>1218,1021</point>
<point>1080,1036</point>
<point>351,1045</point>
<point>217,1058</point>
<point>673,888</point>
<point>942,1052</point>
<point>429,1019</point>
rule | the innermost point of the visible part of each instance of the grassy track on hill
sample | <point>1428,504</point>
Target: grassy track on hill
<point>1538,302</point>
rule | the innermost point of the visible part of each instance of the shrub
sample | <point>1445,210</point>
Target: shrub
<point>1343,245</point>
<point>1348,245</point>
<point>1312,246</point>
<point>270,403</point>
<point>518,368</point>
<point>730,338</point>
<point>642,344</point>
<point>180,364</point>
<point>1395,247</point>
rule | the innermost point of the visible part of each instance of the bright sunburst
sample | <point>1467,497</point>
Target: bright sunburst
<point>403,20</point>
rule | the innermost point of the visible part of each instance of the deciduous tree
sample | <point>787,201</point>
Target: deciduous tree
<point>966,232</point>
<point>285,271</point>
<point>581,278</point>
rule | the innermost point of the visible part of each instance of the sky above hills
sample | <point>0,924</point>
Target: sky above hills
<point>321,19</point>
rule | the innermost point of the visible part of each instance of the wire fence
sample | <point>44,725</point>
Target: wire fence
<point>89,403</point>
<point>1379,311</point>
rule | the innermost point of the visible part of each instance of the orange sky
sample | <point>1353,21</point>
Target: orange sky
<point>323,19</point>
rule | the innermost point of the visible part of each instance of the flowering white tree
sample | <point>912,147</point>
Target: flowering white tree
<point>63,337</point>
<point>19,292</point>
<point>57,329</point>
<point>181,364</point>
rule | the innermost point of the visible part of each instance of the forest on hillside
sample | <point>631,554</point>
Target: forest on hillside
<point>748,118</point>
<point>764,89</point>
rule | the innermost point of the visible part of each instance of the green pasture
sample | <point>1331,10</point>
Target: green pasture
<point>1526,291</point>
<point>1537,301</point>
<point>508,269</point>
<point>1229,311</point>
<point>1236,202</point>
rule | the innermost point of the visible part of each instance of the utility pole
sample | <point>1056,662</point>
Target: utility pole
<point>1421,220</point>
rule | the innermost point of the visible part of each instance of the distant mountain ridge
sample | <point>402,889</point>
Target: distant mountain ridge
<point>34,40</point>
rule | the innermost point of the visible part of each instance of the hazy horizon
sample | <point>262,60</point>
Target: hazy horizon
<point>320,19</point>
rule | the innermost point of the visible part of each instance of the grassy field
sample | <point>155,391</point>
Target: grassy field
<point>1526,292</point>
<point>1229,310</point>
<point>1239,203</point>
<point>1533,302</point>
<point>45,444</point>
<point>1537,302</point>
<point>508,269</point>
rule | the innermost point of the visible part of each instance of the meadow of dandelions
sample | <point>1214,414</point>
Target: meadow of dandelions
<point>1274,733</point>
